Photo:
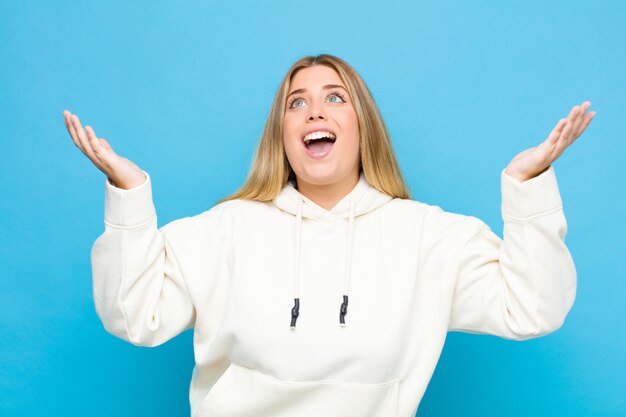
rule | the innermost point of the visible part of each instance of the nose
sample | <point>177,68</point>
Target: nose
<point>315,112</point>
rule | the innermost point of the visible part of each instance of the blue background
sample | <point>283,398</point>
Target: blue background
<point>183,89</point>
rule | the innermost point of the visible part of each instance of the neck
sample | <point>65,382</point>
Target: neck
<point>327,195</point>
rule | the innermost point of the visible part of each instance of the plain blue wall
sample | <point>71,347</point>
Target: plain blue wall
<point>183,89</point>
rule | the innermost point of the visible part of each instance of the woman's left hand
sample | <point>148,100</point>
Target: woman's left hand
<point>536,160</point>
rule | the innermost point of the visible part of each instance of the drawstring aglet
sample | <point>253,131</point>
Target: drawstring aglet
<point>343,311</point>
<point>294,313</point>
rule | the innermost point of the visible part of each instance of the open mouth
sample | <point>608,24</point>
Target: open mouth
<point>319,143</point>
<point>319,146</point>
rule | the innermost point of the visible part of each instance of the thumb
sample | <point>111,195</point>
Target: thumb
<point>106,145</point>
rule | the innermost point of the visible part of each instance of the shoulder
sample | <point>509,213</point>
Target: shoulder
<point>435,223</point>
<point>415,208</point>
<point>218,219</point>
<point>207,223</point>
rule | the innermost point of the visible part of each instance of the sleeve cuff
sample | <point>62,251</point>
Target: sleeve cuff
<point>530,198</point>
<point>132,207</point>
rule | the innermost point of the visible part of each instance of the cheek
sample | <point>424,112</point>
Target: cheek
<point>351,125</point>
<point>290,145</point>
<point>287,134</point>
<point>290,132</point>
<point>286,146</point>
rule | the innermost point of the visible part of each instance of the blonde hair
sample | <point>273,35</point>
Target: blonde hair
<point>271,171</point>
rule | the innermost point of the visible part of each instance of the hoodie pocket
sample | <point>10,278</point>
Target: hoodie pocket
<point>245,392</point>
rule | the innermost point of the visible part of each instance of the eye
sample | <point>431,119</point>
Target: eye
<point>339,95</point>
<point>294,101</point>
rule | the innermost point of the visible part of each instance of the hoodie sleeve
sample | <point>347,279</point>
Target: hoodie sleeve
<point>524,285</point>
<point>139,290</point>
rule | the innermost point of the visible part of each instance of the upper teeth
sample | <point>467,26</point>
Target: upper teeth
<point>318,135</point>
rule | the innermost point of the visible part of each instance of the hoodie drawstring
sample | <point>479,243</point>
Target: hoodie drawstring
<point>296,268</point>
<point>343,310</point>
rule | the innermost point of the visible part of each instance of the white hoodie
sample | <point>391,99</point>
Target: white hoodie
<point>412,272</point>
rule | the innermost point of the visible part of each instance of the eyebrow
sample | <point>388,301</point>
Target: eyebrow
<point>326,87</point>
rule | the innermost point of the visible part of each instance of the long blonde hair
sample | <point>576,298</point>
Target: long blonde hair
<point>271,171</point>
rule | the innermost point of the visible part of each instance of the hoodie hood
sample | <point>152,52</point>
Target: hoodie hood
<point>364,197</point>
<point>361,200</point>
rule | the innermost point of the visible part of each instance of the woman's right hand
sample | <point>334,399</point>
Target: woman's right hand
<point>120,171</point>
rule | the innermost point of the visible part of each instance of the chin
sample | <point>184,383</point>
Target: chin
<point>321,177</point>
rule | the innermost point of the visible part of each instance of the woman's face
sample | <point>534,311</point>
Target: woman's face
<point>318,101</point>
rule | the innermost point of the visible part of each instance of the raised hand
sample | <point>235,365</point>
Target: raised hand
<point>534,161</point>
<point>120,171</point>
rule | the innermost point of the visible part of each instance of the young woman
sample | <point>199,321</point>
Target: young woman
<point>320,288</point>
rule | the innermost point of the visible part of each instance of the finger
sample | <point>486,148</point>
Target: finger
<point>564,139</point>
<point>584,123</point>
<point>583,126</point>
<point>573,113</point>
<point>101,147</point>
<point>556,132</point>
<point>547,147</point>
<point>106,145</point>
<point>82,137</point>
<point>94,144</point>
<point>569,133</point>
<point>72,130</point>
<point>555,152</point>
<point>578,121</point>
<point>588,120</point>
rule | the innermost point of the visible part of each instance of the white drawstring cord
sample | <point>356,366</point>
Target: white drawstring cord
<point>295,311</point>
<point>347,273</point>
<point>343,310</point>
